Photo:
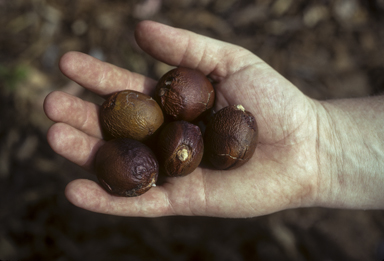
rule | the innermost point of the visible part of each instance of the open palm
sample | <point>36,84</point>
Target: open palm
<point>283,172</point>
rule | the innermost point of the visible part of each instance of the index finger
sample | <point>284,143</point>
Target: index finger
<point>100,77</point>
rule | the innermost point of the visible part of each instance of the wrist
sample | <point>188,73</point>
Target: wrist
<point>350,155</point>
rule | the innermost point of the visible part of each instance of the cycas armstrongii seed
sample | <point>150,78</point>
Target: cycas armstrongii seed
<point>180,148</point>
<point>126,167</point>
<point>231,137</point>
<point>184,94</point>
<point>130,114</point>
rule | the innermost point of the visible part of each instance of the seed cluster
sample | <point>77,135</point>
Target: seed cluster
<point>145,135</point>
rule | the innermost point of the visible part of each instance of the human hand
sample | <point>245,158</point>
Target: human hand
<point>283,173</point>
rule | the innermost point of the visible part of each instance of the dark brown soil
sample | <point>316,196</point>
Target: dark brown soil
<point>329,49</point>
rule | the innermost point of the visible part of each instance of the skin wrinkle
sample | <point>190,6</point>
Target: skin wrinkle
<point>248,205</point>
<point>269,157</point>
<point>233,96</point>
<point>62,135</point>
<point>313,192</point>
<point>286,136</point>
<point>218,85</point>
<point>191,205</point>
<point>191,210</point>
<point>87,117</point>
<point>186,53</point>
<point>266,123</point>
<point>219,72</point>
<point>359,163</point>
<point>202,56</point>
<point>337,160</point>
<point>140,207</point>
<point>243,68</point>
<point>100,135</point>
<point>300,126</point>
<point>90,148</point>
<point>76,105</point>
<point>166,207</point>
<point>102,77</point>
<point>214,64</point>
<point>205,197</point>
<point>283,120</point>
<point>87,141</point>
<point>305,197</point>
<point>128,82</point>
<point>93,151</point>
<point>282,127</point>
<point>215,74</point>
<point>236,55</point>
<point>293,132</point>
<point>368,148</point>
<point>291,177</point>
<point>169,202</point>
<point>237,84</point>
<point>297,128</point>
<point>319,165</point>
<point>375,153</point>
<point>351,156</point>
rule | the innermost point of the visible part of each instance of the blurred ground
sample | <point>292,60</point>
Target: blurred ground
<point>329,49</point>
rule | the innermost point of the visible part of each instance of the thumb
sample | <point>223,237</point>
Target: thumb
<point>180,47</point>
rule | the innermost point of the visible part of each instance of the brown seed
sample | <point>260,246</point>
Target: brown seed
<point>126,167</point>
<point>130,114</point>
<point>184,94</point>
<point>231,137</point>
<point>180,148</point>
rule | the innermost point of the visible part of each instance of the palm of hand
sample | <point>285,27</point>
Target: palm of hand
<point>280,175</point>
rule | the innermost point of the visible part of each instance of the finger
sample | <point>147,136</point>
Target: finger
<point>89,195</point>
<point>184,196</point>
<point>65,108</point>
<point>100,77</point>
<point>73,144</point>
<point>183,48</point>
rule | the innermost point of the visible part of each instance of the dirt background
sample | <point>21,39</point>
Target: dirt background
<point>329,49</point>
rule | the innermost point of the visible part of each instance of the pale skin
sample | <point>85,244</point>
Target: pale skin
<point>310,153</point>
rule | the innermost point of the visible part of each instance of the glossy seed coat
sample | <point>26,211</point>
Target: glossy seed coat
<point>130,114</point>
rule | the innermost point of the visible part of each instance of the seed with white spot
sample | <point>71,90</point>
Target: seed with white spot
<point>182,154</point>
<point>240,107</point>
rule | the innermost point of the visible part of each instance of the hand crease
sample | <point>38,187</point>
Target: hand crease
<point>186,52</point>
<point>101,78</point>
<point>169,202</point>
<point>85,121</point>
